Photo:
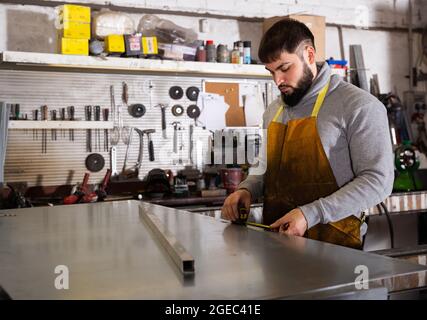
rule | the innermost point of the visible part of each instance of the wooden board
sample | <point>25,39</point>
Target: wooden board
<point>235,116</point>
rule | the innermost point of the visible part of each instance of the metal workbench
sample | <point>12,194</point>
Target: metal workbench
<point>112,254</point>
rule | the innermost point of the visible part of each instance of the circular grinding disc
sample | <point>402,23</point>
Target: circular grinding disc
<point>177,110</point>
<point>176,92</point>
<point>95,162</point>
<point>192,93</point>
<point>193,111</point>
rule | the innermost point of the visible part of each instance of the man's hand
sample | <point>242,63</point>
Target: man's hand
<point>230,208</point>
<point>292,223</point>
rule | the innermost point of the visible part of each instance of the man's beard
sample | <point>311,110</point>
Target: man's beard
<point>301,89</point>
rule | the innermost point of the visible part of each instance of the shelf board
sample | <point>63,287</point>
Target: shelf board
<point>36,59</point>
<point>51,124</point>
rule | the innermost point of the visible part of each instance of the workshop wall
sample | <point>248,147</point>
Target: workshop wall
<point>30,27</point>
<point>377,25</point>
<point>64,161</point>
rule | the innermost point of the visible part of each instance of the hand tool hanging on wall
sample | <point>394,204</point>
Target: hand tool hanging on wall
<point>115,132</point>
<point>181,144</point>
<point>192,93</point>
<point>175,136</point>
<point>150,90</point>
<point>94,162</point>
<point>97,111</point>
<point>148,132</point>
<point>177,110</point>
<point>105,113</point>
<point>190,144</point>
<point>88,117</point>
<point>62,117</point>
<point>71,117</point>
<point>133,172</point>
<point>163,109</point>
<point>53,131</point>
<point>176,92</point>
<point>129,142</point>
<point>44,116</point>
<point>35,118</point>
<point>113,160</point>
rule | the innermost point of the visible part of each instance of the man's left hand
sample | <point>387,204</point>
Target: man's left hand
<point>292,223</point>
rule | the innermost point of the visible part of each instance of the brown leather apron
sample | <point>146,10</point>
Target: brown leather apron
<point>298,173</point>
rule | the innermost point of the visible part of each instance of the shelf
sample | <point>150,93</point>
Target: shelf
<point>34,59</point>
<point>51,124</point>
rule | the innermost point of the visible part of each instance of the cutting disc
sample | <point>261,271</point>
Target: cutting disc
<point>137,110</point>
<point>176,92</point>
<point>193,111</point>
<point>95,162</point>
<point>177,110</point>
<point>192,93</point>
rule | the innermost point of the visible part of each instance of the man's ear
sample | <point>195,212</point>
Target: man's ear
<point>311,55</point>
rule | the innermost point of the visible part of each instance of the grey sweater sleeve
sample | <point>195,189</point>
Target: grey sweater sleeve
<point>366,127</point>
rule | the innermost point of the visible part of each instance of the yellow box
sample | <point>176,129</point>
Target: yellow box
<point>114,43</point>
<point>74,46</point>
<point>75,30</point>
<point>149,45</point>
<point>74,13</point>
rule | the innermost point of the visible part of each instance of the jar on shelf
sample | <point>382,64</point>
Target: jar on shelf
<point>222,54</point>
<point>201,54</point>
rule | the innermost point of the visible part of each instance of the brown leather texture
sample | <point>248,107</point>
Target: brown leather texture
<point>298,173</point>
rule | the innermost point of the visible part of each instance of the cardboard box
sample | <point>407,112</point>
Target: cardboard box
<point>75,13</point>
<point>149,45</point>
<point>75,30</point>
<point>74,46</point>
<point>115,43</point>
<point>316,24</point>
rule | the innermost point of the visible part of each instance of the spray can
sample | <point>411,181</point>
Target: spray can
<point>246,52</point>
<point>210,51</point>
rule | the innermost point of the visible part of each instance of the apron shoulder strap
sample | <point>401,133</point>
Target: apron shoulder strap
<point>319,101</point>
<point>278,113</point>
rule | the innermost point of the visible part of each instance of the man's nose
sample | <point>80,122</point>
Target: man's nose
<point>278,80</point>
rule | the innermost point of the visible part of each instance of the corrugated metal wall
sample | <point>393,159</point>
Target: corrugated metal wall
<point>64,162</point>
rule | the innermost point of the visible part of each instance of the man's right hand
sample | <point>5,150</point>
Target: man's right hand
<point>230,208</point>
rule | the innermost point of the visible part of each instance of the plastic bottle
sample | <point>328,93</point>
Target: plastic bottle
<point>246,52</point>
<point>210,51</point>
<point>235,54</point>
<point>240,47</point>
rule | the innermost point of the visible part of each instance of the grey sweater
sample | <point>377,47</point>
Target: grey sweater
<point>353,128</point>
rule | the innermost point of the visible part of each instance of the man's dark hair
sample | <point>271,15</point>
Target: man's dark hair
<point>285,35</point>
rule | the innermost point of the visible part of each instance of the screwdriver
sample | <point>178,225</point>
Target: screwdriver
<point>44,116</point>
<point>88,116</point>
<point>35,118</point>
<point>97,111</point>
<point>62,119</point>
<point>71,131</point>
<point>105,116</point>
